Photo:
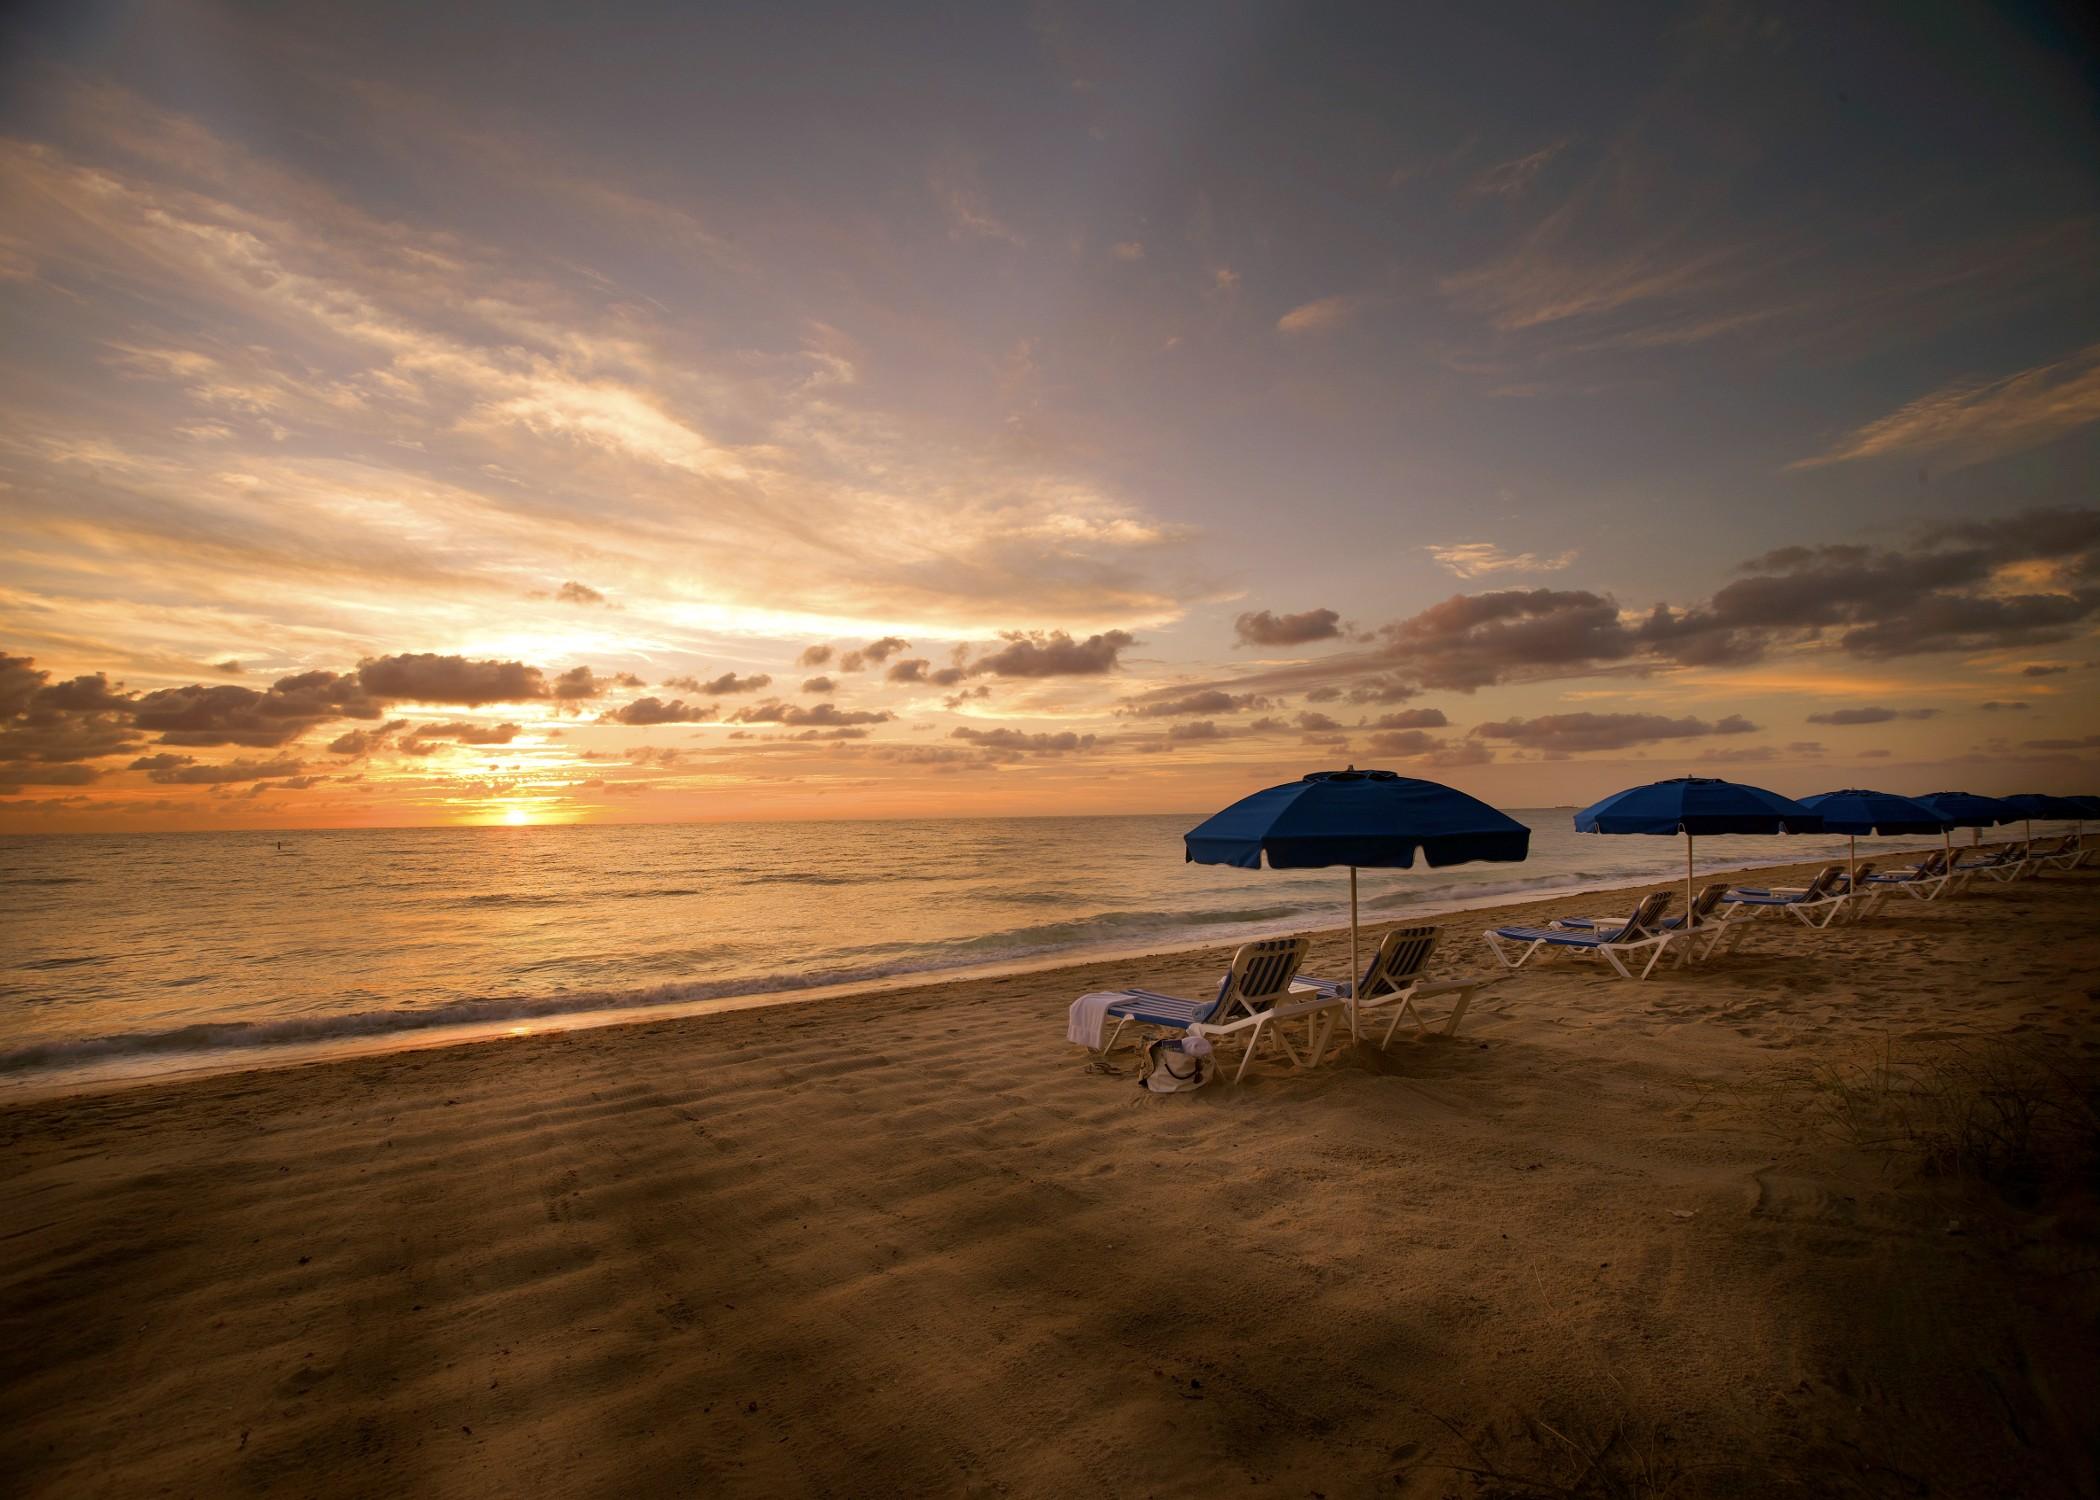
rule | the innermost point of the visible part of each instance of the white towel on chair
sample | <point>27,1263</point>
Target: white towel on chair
<point>1083,1022</point>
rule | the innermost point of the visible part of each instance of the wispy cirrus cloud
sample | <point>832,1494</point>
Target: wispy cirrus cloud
<point>1970,422</point>
<point>1320,316</point>
<point>1510,178</point>
<point>1476,559</point>
<point>275,328</point>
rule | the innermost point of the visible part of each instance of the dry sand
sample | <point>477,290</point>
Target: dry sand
<point>1660,1238</point>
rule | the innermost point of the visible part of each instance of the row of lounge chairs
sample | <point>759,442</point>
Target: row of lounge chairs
<point>1262,995</point>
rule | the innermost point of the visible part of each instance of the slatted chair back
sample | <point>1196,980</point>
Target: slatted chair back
<point>1826,878</point>
<point>1708,898</point>
<point>1260,975</point>
<point>1646,914</point>
<point>1401,957</point>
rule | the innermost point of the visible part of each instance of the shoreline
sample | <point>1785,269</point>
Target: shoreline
<point>149,1067</point>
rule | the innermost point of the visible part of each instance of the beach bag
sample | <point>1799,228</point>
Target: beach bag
<point>1174,1064</point>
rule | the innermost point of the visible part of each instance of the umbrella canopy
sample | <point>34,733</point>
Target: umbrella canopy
<point>1855,811</point>
<point>2090,804</point>
<point>1368,819</point>
<point>1967,810</point>
<point>2042,805</point>
<point>1371,819</point>
<point>1692,805</point>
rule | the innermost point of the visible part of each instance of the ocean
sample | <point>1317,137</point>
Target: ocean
<point>129,953</point>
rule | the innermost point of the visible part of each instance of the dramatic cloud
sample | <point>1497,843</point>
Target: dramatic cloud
<point>816,715</point>
<point>1209,701</point>
<point>1870,715</point>
<point>1472,559</point>
<point>882,650</point>
<point>1063,742</point>
<point>363,742</point>
<point>914,669</point>
<point>578,593</point>
<point>1999,705</point>
<point>653,710</point>
<point>217,775</point>
<point>1201,729</point>
<point>1404,742</point>
<point>1572,733</point>
<point>2021,580</point>
<point>1374,690</point>
<point>26,773</point>
<point>572,686</point>
<point>1471,641</point>
<point>819,685</point>
<point>814,656</point>
<point>1261,628</point>
<point>230,715</point>
<point>1055,654</point>
<point>427,678</point>
<point>47,723</point>
<point>1411,718</point>
<point>1970,422</point>
<point>1314,722</point>
<point>729,682</point>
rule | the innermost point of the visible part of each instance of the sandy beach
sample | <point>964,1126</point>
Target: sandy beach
<point>1815,1219</point>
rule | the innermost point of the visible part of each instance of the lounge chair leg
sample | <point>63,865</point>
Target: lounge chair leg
<point>1248,1056</point>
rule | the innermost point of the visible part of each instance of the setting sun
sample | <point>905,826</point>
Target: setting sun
<point>516,816</point>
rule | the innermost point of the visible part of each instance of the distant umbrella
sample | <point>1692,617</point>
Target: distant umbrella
<point>1692,805</point>
<point>2028,806</point>
<point>1375,820</point>
<point>1967,810</point>
<point>1854,811</point>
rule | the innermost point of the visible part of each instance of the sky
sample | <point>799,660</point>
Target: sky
<point>545,413</point>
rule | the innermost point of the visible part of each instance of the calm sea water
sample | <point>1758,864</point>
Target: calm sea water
<point>124,951</point>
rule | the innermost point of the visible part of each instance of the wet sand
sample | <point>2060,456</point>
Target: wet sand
<point>1738,1230</point>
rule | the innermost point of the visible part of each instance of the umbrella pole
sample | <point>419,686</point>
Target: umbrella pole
<point>1688,912</point>
<point>1852,864</point>
<point>1356,973</point>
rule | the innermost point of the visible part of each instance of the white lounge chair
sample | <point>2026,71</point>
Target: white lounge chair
<point>1615,944</point>
<point>2079,850</point>
<point>1928,879</point>
<point>1393,981</point>
<point>1816,904</point>
<point>1253,1000</point>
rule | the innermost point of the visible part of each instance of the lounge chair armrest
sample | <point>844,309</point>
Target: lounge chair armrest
<point>1445,987</point>
<point>1273,1013</point>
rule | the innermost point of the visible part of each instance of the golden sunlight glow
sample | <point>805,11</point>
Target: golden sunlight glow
<point>516,816</point>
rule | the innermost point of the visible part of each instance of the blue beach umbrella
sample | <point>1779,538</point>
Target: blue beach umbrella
<point>1375,820</point>
<point>2027,806</point>
<point>1692,805</point>
<point>1853,812</point>
<point>1967,810</point>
